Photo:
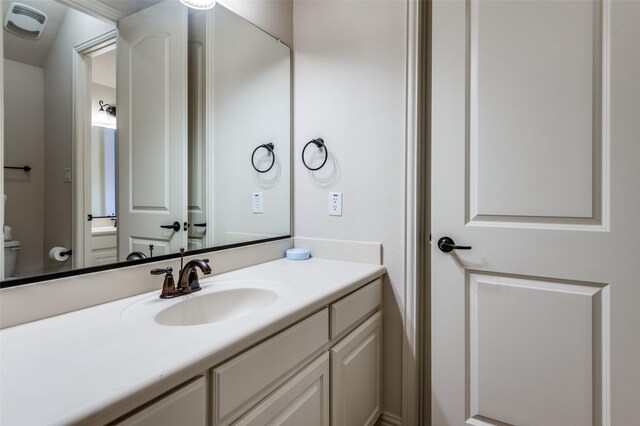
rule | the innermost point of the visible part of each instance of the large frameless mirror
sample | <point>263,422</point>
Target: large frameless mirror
<point>130,140</point>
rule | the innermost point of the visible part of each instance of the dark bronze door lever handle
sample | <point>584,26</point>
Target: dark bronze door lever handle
<point>176,226</point>
<point>446,245</point>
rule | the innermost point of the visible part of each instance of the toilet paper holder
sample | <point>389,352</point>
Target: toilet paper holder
<point>60,254</point>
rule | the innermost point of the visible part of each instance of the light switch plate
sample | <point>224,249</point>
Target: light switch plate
<point>257,202</point>
<point>335,204</point>
<point>66,175</point>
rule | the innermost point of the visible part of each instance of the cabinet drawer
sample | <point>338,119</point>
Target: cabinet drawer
<point>185,406</point>
<point>239,383</point>
<point>355,307</point>
<point>103,241</point>
<point>303,400</point>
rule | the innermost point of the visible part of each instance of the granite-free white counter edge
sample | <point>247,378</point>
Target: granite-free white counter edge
<point>92,366</point>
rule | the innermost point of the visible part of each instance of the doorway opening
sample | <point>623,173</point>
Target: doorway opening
<point>95,153</point>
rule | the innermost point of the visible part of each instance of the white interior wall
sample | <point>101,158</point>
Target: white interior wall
<point>77,28</point>
<point>350,90</point>
<point>103,68</point>
<point>24,146</point>
<point>273,16</point>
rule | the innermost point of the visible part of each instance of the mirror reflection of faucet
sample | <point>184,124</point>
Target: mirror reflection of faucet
<point>136,255</point>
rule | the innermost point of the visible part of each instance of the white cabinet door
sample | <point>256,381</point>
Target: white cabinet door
<point>185,406</point>
<point>356,375</point>
<point>152,129</point>
<point>535,153</point>
<point>303,400</point>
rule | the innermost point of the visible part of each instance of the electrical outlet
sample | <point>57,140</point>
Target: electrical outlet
<point>335,204</point>
<point>257,202</point>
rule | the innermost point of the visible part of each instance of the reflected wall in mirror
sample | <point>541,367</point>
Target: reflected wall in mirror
<point>140,139</point>
<point>38,132</point>
<point>252,98</point>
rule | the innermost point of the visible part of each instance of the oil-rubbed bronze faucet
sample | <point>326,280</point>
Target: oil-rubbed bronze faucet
<point>188,280</point>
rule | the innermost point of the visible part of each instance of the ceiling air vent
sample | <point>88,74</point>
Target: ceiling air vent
<point>25,21</point>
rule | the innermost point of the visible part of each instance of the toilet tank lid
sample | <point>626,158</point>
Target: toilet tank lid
<point>11,244</point>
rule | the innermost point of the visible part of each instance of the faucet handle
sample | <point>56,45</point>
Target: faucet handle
<point>169,290</point>
<point>160,271</point>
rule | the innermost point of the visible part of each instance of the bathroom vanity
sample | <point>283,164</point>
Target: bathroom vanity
<point>279,341</point>
<point>104,242</point>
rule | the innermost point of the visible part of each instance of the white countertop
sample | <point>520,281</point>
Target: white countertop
<point>92,365</point>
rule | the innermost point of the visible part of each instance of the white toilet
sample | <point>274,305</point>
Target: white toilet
<point>11,249</point>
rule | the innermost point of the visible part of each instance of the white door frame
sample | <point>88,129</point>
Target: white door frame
<point>209,133</point>
<point>81,157</point>
<point>208,129</point>
<point>416,343</point>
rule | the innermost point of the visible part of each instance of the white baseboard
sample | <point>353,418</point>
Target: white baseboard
<point>388,419</point>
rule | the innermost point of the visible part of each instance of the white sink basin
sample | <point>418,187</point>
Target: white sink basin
<point>217,306</point>
<point>217,302</point>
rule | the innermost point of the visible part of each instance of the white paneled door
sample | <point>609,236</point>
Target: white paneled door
<point>152,129</point>
<point>535,153</point>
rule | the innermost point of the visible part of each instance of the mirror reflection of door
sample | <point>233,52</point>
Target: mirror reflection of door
<point>152,120</point>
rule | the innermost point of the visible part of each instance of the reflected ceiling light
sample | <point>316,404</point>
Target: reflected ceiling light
<point>199,4</point>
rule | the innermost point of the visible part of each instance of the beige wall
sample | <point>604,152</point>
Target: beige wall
<point>350,90</point>
<point>24,146</point>
<point>58,74</point>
